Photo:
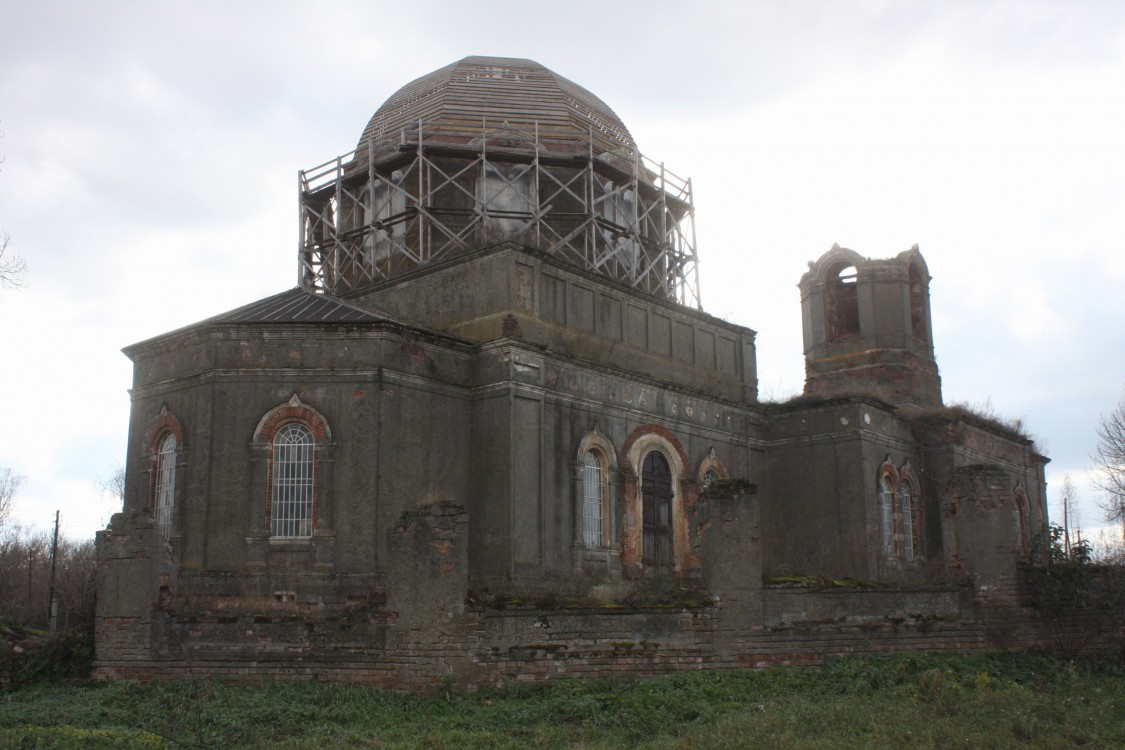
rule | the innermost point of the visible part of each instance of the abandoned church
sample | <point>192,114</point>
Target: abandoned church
<point>491,436</point>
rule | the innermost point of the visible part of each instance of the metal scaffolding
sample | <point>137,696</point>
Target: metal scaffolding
<point>434,190</point>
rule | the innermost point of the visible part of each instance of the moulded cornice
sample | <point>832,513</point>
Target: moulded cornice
<point>204,332</point>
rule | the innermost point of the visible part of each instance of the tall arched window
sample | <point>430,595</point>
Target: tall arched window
<point>656,496</point>
<point>291,494</point>
<point>593,500</point>
<point>164,449</point>
<point>594,525</point>
<point>164,494</point>
<point>887,511</point>
<point>900,516</point>
<point>909,522</point>
<point>842,302</point>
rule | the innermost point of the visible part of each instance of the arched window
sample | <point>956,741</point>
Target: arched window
<point>594,527</point>
<point>900,517</point>
<point>909,522</point>
<point>887,512</point>
<point>658,492</point>
<point>593,500</point>
<point>291,475</point>
<point>164,493</point>
<point>164,449</point>
<point>710,471</point>
<point>656,510</point>
<point>293,453</point>
<point>842,302</point>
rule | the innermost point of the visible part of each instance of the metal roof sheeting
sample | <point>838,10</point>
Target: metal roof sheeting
<point>297,306</point>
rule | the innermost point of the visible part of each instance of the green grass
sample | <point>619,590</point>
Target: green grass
<point>993,701</point>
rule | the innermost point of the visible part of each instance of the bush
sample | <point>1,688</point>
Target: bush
<point>28,657</point>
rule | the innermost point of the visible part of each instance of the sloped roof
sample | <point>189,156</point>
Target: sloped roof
<point>297,306</point>
<point>292,306</point>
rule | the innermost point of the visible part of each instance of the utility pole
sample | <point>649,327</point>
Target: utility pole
<point>30,589</point>
<point>1066,519</point>
<point>51,588</point>
<point>1068,498</point>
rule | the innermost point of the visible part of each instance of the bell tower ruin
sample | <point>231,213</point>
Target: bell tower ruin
<point>866,325</point>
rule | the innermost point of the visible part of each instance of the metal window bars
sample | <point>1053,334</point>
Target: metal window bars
<point>592,496</point>
<point>291,504</point>
<point>164,497</point>
<point>395,204</point>
<point>905,501</point>
<point>886,506</point>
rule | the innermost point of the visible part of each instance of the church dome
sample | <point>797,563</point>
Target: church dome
<point>492,150</point>
<point>482,95</point>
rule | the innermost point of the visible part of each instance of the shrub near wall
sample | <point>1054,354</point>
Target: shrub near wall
<point>28,656</point>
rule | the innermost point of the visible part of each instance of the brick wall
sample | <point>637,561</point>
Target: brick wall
<point>488,647</point>
<point>420,632</point>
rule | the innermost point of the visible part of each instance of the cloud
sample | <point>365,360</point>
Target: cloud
<point>152,149</point>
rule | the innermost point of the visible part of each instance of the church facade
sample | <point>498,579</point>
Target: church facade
<point>491,435</point>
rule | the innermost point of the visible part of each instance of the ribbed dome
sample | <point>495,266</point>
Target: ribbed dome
<point>482,93</point>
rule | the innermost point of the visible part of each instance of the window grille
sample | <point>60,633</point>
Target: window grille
<point>592,501</point>
<point>292,493</point>
<point>165,496</point>
<point>905,501</point>
<point>886,504</point>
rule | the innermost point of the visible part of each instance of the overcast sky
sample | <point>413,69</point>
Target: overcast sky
<point>151,151</point>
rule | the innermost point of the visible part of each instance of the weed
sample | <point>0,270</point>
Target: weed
<point>997,700</point>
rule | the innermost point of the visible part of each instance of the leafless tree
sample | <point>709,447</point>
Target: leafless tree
<point>114,484</point>
<point>75,583</point>
<point>25,577</point>
<point>25,565</point>
<point>10,483</point>
<point>1109,464</point>
<point>12,266</point>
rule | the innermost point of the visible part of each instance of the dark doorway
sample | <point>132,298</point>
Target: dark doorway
<point>656,497</point>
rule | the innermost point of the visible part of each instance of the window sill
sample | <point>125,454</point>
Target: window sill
<point>290,542</point>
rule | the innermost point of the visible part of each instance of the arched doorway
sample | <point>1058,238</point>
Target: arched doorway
<point>656,496</point>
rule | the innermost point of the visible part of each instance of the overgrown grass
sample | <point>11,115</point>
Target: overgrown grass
<point>999,700</point>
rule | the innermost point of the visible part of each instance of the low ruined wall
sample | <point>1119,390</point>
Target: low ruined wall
<point>484,646</point>
<point>478,646</point>
<point>1072,609</point>
<point>797,604</point>
<point>418,631</point>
